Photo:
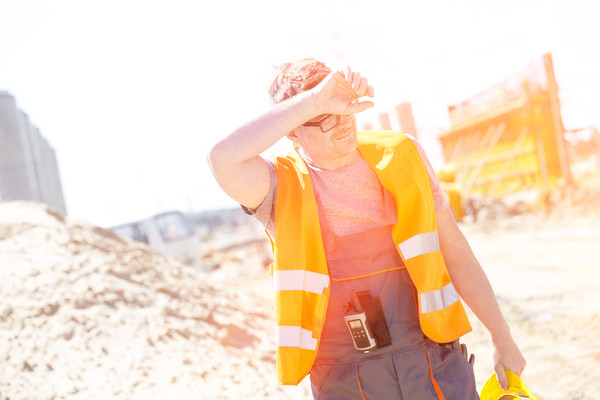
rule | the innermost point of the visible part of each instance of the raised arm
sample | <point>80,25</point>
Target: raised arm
<point>474,287</point>
<point>235,160</point>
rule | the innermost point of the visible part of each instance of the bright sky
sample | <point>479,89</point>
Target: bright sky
<point>132,93</point>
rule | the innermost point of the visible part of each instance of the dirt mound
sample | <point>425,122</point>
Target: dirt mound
<point>86,314</point>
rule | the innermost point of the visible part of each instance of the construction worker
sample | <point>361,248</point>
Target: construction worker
<point>369,262</point>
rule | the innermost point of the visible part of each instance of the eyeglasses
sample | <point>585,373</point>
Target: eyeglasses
<point>327,123</point>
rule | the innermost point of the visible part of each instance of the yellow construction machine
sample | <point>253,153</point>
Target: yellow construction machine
<point>505,140</point>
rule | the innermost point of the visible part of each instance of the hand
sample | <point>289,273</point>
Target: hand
<point>338,91</point>
<point>456,345</point>
<point>465,353</point>
<point>507,356</point>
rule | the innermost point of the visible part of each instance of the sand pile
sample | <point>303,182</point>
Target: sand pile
<point>86,314</point>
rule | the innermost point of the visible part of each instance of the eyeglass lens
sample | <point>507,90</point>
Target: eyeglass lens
<point>330,122</point>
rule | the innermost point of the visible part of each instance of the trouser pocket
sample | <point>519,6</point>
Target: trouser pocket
<point>414,374</point>
<point>370,378</point>
<point>331,382</point>
<point>452,372</point>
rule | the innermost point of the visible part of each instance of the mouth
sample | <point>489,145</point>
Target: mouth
<point>346,135</point>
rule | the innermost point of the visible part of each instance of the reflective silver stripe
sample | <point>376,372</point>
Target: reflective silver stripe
<point>420,244</point>
<point>300,280</point>
<point>438,299</point>
<point>295,336</point>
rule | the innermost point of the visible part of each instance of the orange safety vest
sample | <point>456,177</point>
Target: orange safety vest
<point>300,274</point>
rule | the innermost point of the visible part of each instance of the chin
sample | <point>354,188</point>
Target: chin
<point>347,135</point>
<point>348,145</point>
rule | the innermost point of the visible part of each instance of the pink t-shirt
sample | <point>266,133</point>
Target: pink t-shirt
<point>350,198</point>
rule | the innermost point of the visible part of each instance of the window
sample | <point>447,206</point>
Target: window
<point>135,231</point>
<point>173,226</point>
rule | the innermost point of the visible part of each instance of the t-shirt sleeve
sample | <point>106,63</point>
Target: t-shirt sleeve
<point>439,198</point>
<point>265,212</point>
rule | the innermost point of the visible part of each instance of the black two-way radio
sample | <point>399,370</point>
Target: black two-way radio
<point>356,321</point>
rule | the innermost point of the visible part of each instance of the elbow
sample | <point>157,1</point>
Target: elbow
<point>215,157</point>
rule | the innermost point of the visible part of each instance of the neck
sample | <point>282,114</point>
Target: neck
<point>332,163</point>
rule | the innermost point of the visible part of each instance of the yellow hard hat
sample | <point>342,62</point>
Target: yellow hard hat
<point>517,389</point>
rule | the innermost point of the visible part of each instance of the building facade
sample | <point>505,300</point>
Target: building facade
<point>28,166</point>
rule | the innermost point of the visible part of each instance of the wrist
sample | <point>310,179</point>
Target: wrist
<point>298,110</point>
<point>501,339</point>
<point>310,107</point>
<point>499,330</point>
<point>316,103</point>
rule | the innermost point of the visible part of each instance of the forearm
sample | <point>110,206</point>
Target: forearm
<point>473,286</point>
<point>470,280</point>
<point>235,161</point>
<point>256,136</point>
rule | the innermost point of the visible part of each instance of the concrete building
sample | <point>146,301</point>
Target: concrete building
<point>405,121</point>
<point>28,167</point>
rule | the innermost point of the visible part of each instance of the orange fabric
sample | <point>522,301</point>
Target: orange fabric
<point>401,170</point>
<point>296,251</point>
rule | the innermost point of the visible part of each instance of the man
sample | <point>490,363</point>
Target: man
<point>368,259</point>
